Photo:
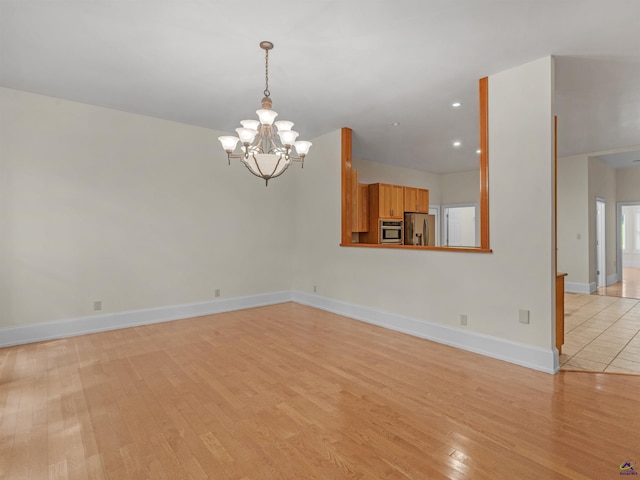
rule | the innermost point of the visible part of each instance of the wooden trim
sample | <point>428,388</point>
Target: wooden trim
<point>415,247</point>
<point>560,311</point>
<point>484,162</point>
<point>559,276</point>
<point>346,238</point>
<point>555,189</point>
<point>347,134</point>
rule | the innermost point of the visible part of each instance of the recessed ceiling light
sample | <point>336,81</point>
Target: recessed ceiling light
<point>457,143</point>
<point>456,104</point>
<point>395,124</point>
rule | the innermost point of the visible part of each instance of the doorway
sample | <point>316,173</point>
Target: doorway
<point>627,251</point>
<point>601,331</point>
<point>460,225</point>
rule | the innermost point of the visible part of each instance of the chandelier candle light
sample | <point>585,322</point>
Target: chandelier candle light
<point>260,150</point>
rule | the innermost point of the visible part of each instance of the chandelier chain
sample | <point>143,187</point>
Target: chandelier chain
<point>266,73</point>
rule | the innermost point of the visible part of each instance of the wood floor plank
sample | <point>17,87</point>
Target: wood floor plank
<point>291,392</point>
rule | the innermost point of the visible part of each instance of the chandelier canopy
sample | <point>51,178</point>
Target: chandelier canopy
<point>265,151</point>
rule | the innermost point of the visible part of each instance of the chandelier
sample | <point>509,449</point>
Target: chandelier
<point>266,155</point>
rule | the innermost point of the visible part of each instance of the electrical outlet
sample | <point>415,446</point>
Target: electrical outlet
<point>463,319</point>
<point>523,316</point>
<point>97,305</point>
<point>216,293</point>
<point>315,288</point>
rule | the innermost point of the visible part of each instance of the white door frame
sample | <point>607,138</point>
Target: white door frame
<point>601,243</point>
<point>435,210</point>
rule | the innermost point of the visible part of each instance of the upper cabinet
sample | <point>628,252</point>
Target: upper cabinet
<point>416,200</point>
<point>387,200</point>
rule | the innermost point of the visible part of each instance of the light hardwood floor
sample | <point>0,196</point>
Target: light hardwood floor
<point>291,392</point>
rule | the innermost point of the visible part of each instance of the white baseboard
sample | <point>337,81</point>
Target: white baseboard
<point>631,264</point>
<point>537,358</point>
<point>611,279</point>
<point>574,287</point>
<point>111,321</point>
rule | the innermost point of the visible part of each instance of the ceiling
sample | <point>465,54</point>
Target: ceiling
<point>364,65</point>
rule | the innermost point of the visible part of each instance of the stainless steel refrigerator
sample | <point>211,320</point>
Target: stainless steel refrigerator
<point>419,229</point>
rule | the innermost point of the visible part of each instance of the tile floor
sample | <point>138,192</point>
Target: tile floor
<point>601,334</point>
<point>629,287</point>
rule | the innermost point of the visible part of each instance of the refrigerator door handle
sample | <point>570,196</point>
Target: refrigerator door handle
<point>425,229</point>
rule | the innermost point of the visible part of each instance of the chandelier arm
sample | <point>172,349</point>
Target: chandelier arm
<point>233,155</point>
<point>274,146</point>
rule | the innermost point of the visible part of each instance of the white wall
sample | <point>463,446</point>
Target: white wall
<point>581,180</point>
<point>452,188</point>
<point>628,184</point>
<point>376,172</point>
<point>134,211</point>
<point>521,147</point>
<point>460,188</point>
<point>573,222</point>
<point>437,286</point>
<point>602,184</point>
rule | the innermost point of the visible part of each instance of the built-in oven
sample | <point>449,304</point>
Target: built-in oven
<point>391,232</point>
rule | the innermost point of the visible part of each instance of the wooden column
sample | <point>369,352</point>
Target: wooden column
<point>347,195</point>
<point>484,162</point>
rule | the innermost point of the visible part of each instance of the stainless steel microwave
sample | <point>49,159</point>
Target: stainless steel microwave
<point>391,232</point>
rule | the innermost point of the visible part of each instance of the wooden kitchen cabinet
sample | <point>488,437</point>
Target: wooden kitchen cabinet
<point>386,201</point>
<point>359,204</point>
<point>560,310</point>
<point>416,200</point>
<point>362,220</point>
<point>354,200</point>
